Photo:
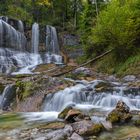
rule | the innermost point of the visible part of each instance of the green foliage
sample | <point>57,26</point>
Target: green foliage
<point>87,22</point>
<point>118,27</point>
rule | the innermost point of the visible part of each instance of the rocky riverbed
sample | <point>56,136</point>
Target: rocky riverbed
<point>113,115</point>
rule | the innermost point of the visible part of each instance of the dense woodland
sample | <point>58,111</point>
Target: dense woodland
<point>101,25</point>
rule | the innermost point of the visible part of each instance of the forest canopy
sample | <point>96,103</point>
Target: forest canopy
<point>101,25</point>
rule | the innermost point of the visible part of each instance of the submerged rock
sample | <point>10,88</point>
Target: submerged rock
<point>120,114</point>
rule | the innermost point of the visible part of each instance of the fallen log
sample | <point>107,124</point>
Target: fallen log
<point>84,64</point>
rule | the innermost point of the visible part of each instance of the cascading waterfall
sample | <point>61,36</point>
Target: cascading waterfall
<point>13,53</point>
<point>79,97</point>
<point>35,38</point>
<point>13,45</point>
<point>83,96</point>
<point>52,46</point>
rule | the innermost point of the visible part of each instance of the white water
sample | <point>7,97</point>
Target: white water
<point>3,96</point>
<point>52,46</point>
<point>20,26</point>
<point>27,62</point>
<point>19,62</point>
<point>35,38</point>
<point>10,38</point>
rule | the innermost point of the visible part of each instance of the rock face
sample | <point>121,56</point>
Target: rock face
<point>120,114</point>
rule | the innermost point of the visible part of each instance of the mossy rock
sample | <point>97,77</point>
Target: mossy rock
<point>117,117</point>
<point>64,113</point>
<point>114,117</point>
<point>94,130</point>
<point>24,89</point>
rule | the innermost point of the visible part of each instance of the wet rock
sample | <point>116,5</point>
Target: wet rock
<point>120,113</point>
<point>64,113</point>
<point>103,87</point>
<point>129,78</point>
<point>122,107</point>
<point>87,128</point>
<point>72,114</point>
<point>75,136</point>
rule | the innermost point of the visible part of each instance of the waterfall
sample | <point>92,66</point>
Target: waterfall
<point>7,96</point>
<point>35,38</point>
<point>80,97</point>
<point>52,40</point>
<point>10,38</point>
<point>13,44</point>
<point>52,46</point>
<point>20,26</point>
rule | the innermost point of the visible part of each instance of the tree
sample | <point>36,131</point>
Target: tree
<point>118,27</point>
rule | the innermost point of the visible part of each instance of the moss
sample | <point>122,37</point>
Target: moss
<point>114,117</point>
<point>24,89</point>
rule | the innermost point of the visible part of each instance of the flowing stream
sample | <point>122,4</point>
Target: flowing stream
<point>84,96</point>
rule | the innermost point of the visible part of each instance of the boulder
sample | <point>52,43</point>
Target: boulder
<point>120,114</point>
<point>122,107</point>
<point>86,127</point>
<point>72,114</point>
<point>63,113</point>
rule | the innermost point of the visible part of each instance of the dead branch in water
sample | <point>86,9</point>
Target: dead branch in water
<point>84,64</point>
